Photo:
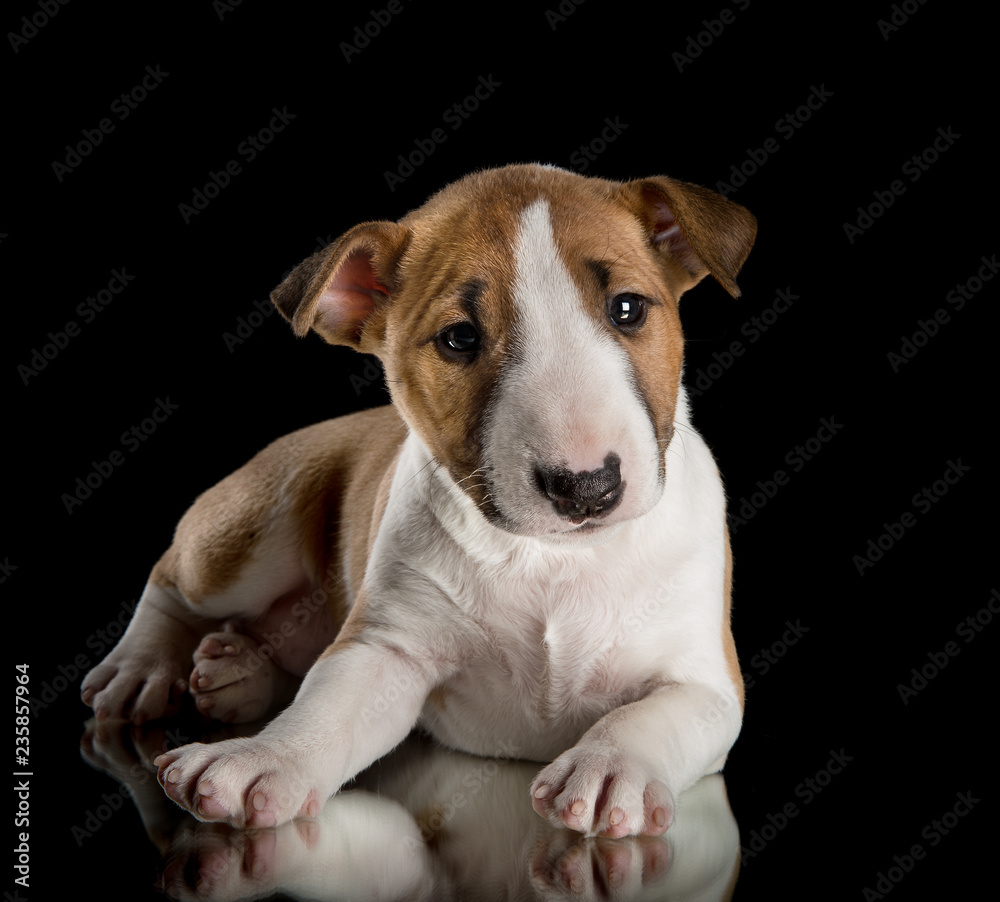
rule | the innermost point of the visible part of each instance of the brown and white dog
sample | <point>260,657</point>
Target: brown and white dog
<point>526,554</point>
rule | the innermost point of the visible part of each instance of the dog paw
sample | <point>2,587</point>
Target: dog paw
<point>215,862</point>
<point>138,687</point>
<point>566,864</point>
<point>602,793</point>
<point>234,679</point>
<point>243,782</point>
<point>145,676</point>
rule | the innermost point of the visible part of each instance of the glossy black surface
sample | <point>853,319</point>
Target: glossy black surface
<point>848,395</point>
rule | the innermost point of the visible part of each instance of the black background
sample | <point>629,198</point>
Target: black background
<point>557,82</point>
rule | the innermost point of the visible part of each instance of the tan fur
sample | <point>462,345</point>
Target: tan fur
<point>728,642</point>
<point>397,286</point>
<point>327,473</point>
<point>599,229</point>
<point>438,697</point>
<point>420,268</point>
<point>421,265</point>
<point>478,636</point>
<point>217,535</point>
<point>351,630</point>
<point>714,235</point>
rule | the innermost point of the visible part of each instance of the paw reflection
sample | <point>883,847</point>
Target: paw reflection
<point>425,823</point>
<point>567,865</point>
<point>217,862</point>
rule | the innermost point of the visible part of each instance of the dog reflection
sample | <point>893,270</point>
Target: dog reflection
<point>424,823</point>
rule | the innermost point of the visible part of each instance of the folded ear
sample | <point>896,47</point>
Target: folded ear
<point>703,231</point>
<point>341,291</point>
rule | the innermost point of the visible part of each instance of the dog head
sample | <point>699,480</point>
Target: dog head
<point>527,321</point>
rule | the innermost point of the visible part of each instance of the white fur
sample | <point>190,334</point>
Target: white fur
<point>604,655</point>
<point>568,400</point>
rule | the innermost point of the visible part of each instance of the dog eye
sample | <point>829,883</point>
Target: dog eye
<point>627,310</point>
<point>459,341</point>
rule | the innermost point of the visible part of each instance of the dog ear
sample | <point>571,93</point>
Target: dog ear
<point>700,229</point>
<point>339,290</point>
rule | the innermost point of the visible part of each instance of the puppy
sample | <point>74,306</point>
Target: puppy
<point>526,554</point>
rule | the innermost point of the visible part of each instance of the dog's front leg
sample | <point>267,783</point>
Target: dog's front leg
<point>357,702</point>
<point>623,775</point>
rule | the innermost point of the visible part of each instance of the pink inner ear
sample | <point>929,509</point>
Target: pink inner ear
<point>667,233</point>
<point>348,299</point>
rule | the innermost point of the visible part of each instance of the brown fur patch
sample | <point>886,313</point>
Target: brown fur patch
<point>462,236</point>
<point>591,227</point>
<point>728,642</point>
<point>734,875</point>
<point>438,697</point>
<point>217,536</point>
<point>421,272</point>
<point>318,477</point>
<point>713,235</point>
<point>465,235</point>
<point>432,823</point>
<point>468,231</point>
<point>352,628</point>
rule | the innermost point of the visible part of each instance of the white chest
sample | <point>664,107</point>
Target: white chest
<point>547,639</point>
<point>553,657</point>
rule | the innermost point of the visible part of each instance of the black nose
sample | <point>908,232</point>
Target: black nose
<point>581,496</point>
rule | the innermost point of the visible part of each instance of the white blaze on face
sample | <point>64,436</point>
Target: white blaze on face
<point>566,397</point>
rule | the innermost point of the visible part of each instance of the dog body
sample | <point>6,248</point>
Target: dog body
<point>527,554</point>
